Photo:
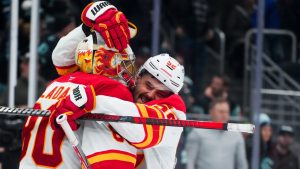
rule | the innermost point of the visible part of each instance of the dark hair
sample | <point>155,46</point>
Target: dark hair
<point>214,102</point>
<point>144,72</point>
<point>225,79</point>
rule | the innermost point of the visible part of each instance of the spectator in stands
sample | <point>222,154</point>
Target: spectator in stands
<point>204,32</point>
<point>238,23</point>
<point>215,149</point>
<point>188,99</point>
<point>22,85</point>
<point>186,91</point>
<point>218,88</point>
<point>239,20</point>
<point>11,126</point>
<point>266,143</point>
<point>194,27</point>
<point>63,25</point>
<point>295,148</point>
<point>282,156</point>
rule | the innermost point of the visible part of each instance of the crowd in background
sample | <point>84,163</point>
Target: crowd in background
<point>187,28</point>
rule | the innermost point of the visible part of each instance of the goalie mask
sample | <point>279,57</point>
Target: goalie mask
<point>93,56</point>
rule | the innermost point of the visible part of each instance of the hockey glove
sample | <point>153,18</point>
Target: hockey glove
<point>109,22</point>
<point>81,101</point>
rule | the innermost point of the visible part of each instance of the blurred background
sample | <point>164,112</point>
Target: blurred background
<point>230,73</point>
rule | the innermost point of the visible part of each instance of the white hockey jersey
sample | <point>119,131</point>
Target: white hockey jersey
<point>44,148</point>
<point>158,143</point>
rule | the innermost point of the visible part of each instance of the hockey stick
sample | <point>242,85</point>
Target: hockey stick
<point>62,121</point>
<point>236,127</point>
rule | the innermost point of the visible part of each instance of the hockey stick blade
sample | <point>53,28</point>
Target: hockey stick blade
<point>235,127</point>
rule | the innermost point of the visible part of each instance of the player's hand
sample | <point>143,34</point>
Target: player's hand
<point>109,22</point>
<point>79,102</point>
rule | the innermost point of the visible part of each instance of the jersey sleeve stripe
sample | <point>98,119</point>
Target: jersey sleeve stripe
<point>63,70</point>
<point>148,129</point>
<point>161,128</point>
<point>153,133</point>
<point>178,113</point>
<point>111,155</point>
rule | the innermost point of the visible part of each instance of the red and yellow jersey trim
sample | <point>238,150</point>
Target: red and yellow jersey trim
<point>111,155</point>
<point>64,70</point>
<point>153,134</point>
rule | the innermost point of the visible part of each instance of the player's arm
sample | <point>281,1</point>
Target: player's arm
<point>63,55</point>
<point>101,17</point>
<point>139,135</point>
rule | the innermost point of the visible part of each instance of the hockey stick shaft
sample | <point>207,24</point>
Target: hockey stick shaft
<point>248,128</point>
<point>62,121</point>
<point>236,127</point>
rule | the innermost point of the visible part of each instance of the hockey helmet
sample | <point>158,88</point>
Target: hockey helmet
<point>166,69</point>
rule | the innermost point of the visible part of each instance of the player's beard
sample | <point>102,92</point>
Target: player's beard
<point>135,94</point>
<point>139,96</point>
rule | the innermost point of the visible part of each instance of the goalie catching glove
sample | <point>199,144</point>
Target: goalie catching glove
<point>109,22</point>
<point>81,101</point>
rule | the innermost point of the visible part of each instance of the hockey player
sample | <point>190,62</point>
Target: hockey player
<point>41,152</point>
<point>157,84</point>
<point>156,96</point>
<point>159,143</point>
<point>43,147</point>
